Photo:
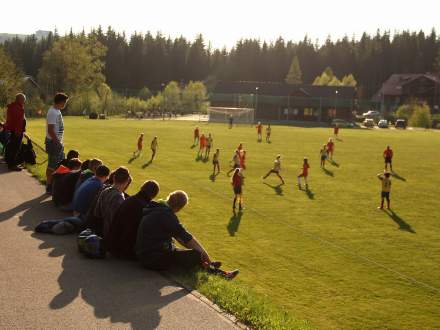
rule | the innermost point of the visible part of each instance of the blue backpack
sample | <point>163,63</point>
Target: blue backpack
<point>91,245</point>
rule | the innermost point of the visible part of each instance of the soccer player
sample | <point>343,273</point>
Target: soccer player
<point>386,188</point>
<point>304,174</point>
<point>235,162</point>
<point>196,136</point>
<point>202,144</point>
<point>388,156</point>
<point>140,145</point>
<point>268,131</point>
<point>243,160</point>
<point>237,185</point>
<point>330,148</point>
<point>208,145</point>
<point>336,130</point>
<point>324,154</point>
<point>215,161</point>
<point>276,169</point>
<point>154,146</point>
<point>231,121</point>
<point>259,131</point>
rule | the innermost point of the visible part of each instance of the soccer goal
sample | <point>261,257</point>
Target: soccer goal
<point>222,115</point>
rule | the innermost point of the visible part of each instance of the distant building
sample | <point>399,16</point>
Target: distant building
<point>280,101</point>
<point>401,88</point>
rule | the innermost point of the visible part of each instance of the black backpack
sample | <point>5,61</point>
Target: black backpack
<point>27,153</point>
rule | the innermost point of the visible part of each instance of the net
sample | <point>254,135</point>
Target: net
<point>223,114</point>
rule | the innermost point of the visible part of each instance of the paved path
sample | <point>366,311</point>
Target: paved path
<point>46,284</point>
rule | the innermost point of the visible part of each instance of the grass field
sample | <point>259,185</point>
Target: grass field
<point>327,256</point>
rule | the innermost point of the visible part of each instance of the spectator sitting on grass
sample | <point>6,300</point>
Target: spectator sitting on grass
<point>59,183</point>
<point>109,201</point>
<point>70,155</point>
<point>88,170</point>
<point>121,242</point>
<point>155,247</point>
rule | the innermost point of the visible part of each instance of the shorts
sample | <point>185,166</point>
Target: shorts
<point>215,162</point>
<point>237,190</point>
<point>323,157</point>
<point>385,194</point>
<point>388,160</point>
<point>55,153</point>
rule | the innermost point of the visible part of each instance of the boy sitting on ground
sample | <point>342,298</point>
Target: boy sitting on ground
<point>121,241</point>
<point>154,245</point>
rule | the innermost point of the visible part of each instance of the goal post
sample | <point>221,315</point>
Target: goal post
<point>222,115</point>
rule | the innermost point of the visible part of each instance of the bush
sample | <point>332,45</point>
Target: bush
<point>93,115</point>
<point>421,116</point>
<point>405,111</point>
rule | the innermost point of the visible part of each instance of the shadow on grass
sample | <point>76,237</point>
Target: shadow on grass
<point>278,188</point>
<point>403,225</point>
<point>334,163</point>
<point>234,223</point>
<point>132,159</point>
<point>328,172</point>
<point>309,193</point>
<point>398,177</point>
<point>147,164</point>
<point>213,176</point>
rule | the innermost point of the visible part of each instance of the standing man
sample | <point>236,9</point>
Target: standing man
<point>153,148</point>
<point>15,125</point>
<point>388,157</point>
<point>54,137</point>
<point>259,128</point>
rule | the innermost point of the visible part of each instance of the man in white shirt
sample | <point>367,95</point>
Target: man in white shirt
<point>54,137</point>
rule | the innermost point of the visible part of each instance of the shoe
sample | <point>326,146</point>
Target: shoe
<point>216,264</point>
<point>380,207</point>
<point>230,275</point>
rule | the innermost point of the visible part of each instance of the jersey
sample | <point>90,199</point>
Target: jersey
<point>330,146</point>
<point>386,184</point>
<point>154,144</point>
<point>306,169</point>
<point>388,153</point>
<point>277,165</point>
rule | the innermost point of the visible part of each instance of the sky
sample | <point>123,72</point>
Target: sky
<point>224,22</point>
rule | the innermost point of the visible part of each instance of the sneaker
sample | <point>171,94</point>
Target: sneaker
<point>380,207</point>
<point>230,275</point>
<point>216,264</point>
<point>63,228</point>
<point>15,168</point>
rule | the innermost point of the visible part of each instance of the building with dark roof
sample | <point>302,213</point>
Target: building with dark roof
<point>399,89</point>
<point>280,101</point>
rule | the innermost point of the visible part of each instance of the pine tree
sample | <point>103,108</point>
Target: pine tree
<point>294,76</point>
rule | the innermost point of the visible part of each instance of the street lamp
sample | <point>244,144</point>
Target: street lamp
<point>336,100</point>
<point>256,100</point>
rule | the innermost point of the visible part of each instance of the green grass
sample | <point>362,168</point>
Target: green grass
<point>328,256</point>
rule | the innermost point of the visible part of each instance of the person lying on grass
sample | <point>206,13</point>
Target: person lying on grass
<point>155,248</point>
<point>121,241</point>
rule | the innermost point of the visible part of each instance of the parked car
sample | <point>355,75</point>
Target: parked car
<point>400,123</point>
<point>368,122</point>
<point>383,123</point>
<point>342,123</point>
<point>371,114</point>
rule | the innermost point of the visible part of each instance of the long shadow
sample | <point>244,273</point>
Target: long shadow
<point>328,172</point>
<point>234,223</point>
<point>403,225</point>
<point>118,290</point>
<point>22,207</point>
<point>147,164</point>
<point>309,193</point>
<point>278,188</point>
<point>334,163</point>
<point>132,159</point>
<point>398,177</point>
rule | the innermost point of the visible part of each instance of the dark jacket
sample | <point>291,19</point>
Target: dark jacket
<point>121,240</point>
<point>107,204</point>
<point>156,231</point>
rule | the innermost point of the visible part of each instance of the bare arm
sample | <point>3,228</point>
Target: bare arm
<point>51,131</point>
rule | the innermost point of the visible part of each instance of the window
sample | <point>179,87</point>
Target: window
<point>308,111</point>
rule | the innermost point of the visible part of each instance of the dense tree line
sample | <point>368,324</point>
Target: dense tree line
<point>140,60</point>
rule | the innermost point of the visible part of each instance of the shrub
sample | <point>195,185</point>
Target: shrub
<point>93,115</point>
<point>421,116</point>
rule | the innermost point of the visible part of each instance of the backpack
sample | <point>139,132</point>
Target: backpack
<point>28,154</point>
<point>90,245</point>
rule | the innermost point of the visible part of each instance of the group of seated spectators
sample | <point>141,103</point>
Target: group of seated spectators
<point>131,227</point>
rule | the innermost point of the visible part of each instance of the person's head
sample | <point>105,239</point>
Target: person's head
<point>72,154</point>
<point>237,152</point>
<point>155,137</point>
<point>217,151</point>
<point>74,164</point>
<point>142,135</point>
<point>60,101</point>
<point>306,160</point>
<point>149,190</point>
<point>2,126</point>
<point>20,98</point>
<point>121,178</point>
<point>236,171</point>
<point>330,140</point>
<point>177,200</point>
<point>94,164</point>
<point>85,165</point>
<point>102,173</point>
<point>259,123</point>
<point>388,147</point>
<point>279,157</point>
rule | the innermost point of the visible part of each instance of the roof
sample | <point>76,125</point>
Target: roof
<point>283,89</point>
<point>393,86</point>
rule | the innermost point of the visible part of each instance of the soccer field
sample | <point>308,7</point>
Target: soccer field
<point>327,256</point>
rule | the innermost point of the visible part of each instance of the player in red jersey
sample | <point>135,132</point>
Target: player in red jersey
<point>330,148</point>
<point>388,157</point>
<point>237,185</point>
<point>140,145</point>
<point>304,174</point>
<point>243,160</point>
<point>259,131</point>
<point>336,130</point>
<point>202,144</point>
